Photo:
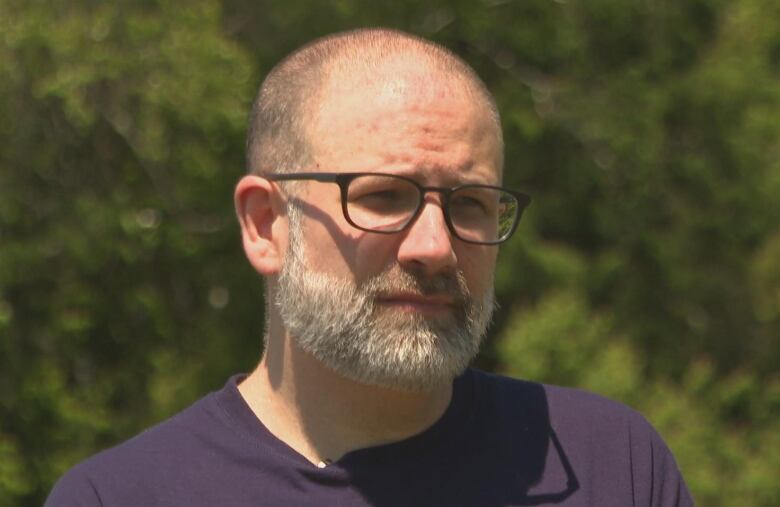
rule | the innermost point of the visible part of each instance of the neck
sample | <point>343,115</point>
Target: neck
<point>323,415</point>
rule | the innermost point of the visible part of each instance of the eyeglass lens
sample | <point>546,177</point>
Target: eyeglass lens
<point>387,203</point>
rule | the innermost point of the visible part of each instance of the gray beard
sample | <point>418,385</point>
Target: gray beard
<point>339,322</point>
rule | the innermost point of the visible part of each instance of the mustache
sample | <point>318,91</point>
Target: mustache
<point>397,279</point>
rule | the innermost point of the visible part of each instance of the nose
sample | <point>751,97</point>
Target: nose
<point>427,244</point>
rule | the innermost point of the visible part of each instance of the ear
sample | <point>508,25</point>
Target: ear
<point>261,214</point>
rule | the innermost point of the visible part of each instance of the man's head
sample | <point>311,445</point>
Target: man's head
<point>404,310</point>
<point>294,90</point>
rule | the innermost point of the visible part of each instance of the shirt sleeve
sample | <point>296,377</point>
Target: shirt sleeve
<point>657,481</point>
<point>74,489</point>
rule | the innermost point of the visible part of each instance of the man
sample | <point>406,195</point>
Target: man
<point>373,208</point>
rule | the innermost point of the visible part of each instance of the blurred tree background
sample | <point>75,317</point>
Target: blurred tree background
<point>646,269</point>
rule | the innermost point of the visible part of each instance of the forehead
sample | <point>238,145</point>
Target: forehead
<point>408,124</point>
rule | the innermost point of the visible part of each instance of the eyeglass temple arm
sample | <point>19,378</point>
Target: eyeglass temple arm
<point>323,177</point>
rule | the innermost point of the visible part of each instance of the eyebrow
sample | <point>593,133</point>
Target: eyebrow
<point>451,178</point>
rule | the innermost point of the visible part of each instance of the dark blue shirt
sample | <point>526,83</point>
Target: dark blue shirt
<point>501,442</point>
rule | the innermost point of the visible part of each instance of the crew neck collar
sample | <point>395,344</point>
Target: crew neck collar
<point>449,427</point>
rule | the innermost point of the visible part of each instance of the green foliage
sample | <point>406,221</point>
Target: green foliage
<point>116,178</point>
<point>647,268</point>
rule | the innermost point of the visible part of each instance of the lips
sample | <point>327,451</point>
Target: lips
<point>426,304</point>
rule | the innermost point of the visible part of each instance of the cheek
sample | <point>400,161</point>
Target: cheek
<point>330,243</point>
<point>478,264</point>
<point>339,249</point>
<point>375,253</point>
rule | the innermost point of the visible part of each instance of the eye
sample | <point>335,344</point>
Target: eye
<point>468,202</point>
<point>382,194</point>
<point>377,195</point>
<point>377,199</point>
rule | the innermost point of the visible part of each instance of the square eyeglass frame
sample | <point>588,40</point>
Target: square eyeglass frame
<point>343,180</point>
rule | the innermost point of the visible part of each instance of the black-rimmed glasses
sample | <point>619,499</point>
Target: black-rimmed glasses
<point>388,203</point>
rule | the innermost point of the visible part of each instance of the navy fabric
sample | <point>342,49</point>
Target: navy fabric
<point>501,442</point>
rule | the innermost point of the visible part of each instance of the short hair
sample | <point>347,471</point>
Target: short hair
<point>276,136</point>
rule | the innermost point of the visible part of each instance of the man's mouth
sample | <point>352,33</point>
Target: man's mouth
<point>434,304</point>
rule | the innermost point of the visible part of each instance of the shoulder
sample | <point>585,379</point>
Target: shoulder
<point>561,406</point>
<point>573,414</point>
<point>74,488</point>
<point>132,470</point>
<point>611,444</point>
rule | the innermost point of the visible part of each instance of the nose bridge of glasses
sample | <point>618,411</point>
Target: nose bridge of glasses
<point>442,194</point>
<point>427,197</point>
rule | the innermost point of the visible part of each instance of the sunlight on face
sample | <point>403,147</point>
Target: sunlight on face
<point>339,322</point>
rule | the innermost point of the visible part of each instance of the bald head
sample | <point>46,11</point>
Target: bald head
<point>390,63</point>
